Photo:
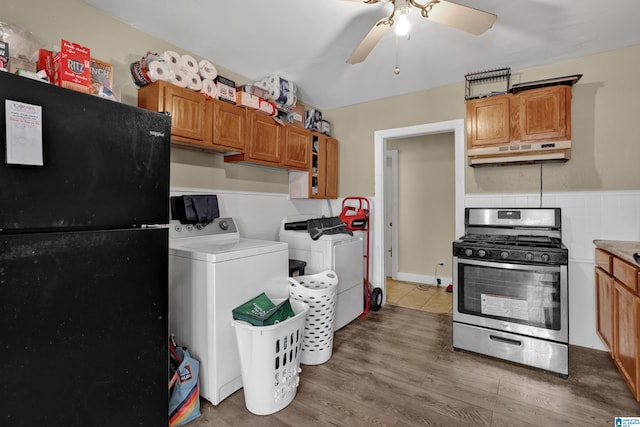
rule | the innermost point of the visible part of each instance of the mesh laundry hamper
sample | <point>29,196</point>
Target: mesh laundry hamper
<point>319,291</point>
<point>270,360</point>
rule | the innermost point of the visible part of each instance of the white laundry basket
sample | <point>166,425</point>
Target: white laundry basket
<point>270,360</point>
<point>319,291</point>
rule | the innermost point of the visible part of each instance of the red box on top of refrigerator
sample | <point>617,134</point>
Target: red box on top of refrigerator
<point>72,67</point>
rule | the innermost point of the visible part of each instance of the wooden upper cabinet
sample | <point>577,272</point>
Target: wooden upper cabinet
<point>323,179</point>
<point>229,125</point>
<point>187,108</point>
<point>265,142</point>
<point>297,148</point>
<point>544,114</point>
<point>331,169</point>
<point>488,121</point>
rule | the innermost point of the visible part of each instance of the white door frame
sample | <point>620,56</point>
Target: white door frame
<point>380,143</point>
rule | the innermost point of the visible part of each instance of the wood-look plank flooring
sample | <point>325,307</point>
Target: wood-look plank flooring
<point>396,367</point>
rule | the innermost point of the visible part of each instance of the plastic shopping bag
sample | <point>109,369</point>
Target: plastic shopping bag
<point>184,386</point>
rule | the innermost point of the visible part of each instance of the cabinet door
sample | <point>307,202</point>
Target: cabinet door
<point>331,169</point>
<point>545,113</point>
<point>189,120</point>
<point>488,121</point>
<point>297,148</point>
<point>229,125</point>
<point>265,143</point>
<point>625,329</point>
<point>187,109</point>
<point>604,306</point>
<point>324,167</point>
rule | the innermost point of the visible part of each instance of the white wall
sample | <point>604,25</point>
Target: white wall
<point>586,216</point>
<point>259,215</point>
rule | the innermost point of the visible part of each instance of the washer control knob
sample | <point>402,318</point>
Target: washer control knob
<point>504,254</point>
<point>545,257</point>
<point>223,225</point>
<point>468,252</point>
<point>482,253</point>
<point>529,256</point>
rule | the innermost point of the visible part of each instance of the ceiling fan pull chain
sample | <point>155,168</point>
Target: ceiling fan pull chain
<point>396,69</point>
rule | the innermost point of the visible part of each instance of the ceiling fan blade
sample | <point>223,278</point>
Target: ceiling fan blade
<point>464,18</point>
<point>369,42</point>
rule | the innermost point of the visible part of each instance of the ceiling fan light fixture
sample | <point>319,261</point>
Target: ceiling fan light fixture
<point>402,24</point>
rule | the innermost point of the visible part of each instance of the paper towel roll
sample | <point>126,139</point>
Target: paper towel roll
<point>209,88</point>
<point>194,82</point>
<point>173,59</point>
<point>190,64</point>
<point>158,70</point>
<point>179,78</point>
<point>207,69</point>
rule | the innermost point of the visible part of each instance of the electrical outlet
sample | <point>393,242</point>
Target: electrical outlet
<point>441,262</point>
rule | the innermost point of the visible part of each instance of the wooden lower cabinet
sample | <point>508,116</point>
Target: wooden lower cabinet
<point>625,329</point>
<point>604,305</point>
<point>618,314</point>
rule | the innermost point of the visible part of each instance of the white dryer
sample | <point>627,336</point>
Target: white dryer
<point>211,271</point>
<point>341,253</point>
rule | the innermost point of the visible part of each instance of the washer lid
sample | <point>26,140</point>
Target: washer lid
<point>304,234</point>
<point>218,250</point>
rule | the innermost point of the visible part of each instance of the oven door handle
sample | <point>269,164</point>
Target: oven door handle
<point>499,264</point>
<point>505,340</point>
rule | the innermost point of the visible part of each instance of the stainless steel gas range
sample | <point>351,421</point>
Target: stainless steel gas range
<point>510,290</point>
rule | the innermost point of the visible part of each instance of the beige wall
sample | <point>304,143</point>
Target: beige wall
<point>120,44</point>
<point>426,205</point>
<point>606,108</point>
<point>605,128</point>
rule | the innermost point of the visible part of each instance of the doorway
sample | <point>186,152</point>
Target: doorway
<point>380,145</point>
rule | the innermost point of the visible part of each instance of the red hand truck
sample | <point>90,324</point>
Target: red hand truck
<point>355,214</point>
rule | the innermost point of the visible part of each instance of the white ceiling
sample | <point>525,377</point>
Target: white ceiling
<point>309,41</point>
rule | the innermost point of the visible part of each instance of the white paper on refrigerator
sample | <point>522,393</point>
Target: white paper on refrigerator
<point>24,133</point>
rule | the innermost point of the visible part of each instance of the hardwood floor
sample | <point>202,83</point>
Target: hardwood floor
<point>396,367</point>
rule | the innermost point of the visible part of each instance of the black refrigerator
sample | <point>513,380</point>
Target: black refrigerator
<point>83,259</point>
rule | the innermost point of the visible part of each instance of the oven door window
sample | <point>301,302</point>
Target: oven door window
<point>528,295</point>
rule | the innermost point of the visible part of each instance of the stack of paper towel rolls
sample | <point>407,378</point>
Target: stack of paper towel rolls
<point>180,70</point>
<point>280,91</point>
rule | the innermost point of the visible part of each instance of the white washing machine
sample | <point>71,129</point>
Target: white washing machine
<point>211,271</point>
<point>341,253</point>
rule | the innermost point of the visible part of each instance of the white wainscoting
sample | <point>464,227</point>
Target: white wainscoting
<point>586,216</point>
<point>258,215</point>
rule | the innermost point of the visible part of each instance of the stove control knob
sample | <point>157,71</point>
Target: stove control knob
<point>482,253</point>
<point>468,252</point>
<point>545,257</point>
<point>529,256</point>
<point>504,254</point>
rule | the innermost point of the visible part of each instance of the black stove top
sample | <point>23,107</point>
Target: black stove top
<point>514,240</point>
<point>522,235</point>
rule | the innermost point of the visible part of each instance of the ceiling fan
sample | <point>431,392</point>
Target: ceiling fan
<point>464,18</point>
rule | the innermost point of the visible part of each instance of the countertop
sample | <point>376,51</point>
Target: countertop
<point>621,249</point>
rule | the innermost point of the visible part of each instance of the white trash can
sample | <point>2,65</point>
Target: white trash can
<point>319,291</point>
<point>270,360</point>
